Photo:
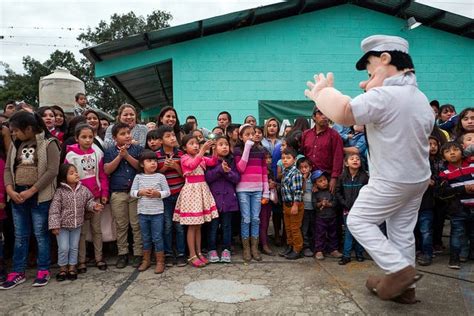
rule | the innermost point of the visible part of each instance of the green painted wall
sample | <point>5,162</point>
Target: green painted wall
<point>233,70</point>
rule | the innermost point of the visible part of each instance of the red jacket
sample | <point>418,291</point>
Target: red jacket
<point>324,150</point>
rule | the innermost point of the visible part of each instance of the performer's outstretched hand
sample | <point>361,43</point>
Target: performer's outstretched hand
<point>320,82</point>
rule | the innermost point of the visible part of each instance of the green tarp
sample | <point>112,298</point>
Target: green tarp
<point>284,111</point>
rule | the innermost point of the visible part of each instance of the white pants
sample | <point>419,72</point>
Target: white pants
<point>397,204</point>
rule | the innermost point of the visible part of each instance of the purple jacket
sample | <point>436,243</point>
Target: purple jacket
<point>222,186</point>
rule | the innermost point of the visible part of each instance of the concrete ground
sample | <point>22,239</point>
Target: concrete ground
<point>301,287</point>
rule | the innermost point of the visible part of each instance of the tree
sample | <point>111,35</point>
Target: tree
<point>101,93</point>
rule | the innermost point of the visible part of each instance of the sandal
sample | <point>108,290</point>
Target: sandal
<point>203,259</point>
<point>82,268</point>
<point>72,273</point>
<point>101,265</point>
<point>61,276</point>
<point>196,262</point>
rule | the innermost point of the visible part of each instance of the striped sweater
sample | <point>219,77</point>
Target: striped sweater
<point>146,205</point>
<point>252,166</point>
<point>453,181</point>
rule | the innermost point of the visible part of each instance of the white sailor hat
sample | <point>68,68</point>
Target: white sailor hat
<point>380,43</point>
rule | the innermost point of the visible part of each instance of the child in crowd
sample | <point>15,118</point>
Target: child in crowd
<point>257,139</point>
<point>353,178</point>
<point>307,227</point>
<point>233,135</point>
<point>456,187</point>
<point>152,141</point>
<point>424,225</point>
<point>218,131</point>
<point>81,104</point>
<point>150,126</point>
<point>121,164</point>
<point>199,135</point>
<point>49,119</point>
<point>30,178</point>
<point>325,228</point>
<point>3,204</point>
<point>266,208</point>
<point>150,188</point>
<point>66,216</point>
<point>252,189</point>
<point>293,206</point>
<point>222,179</point>
<point>195,205</point>
<point>169,163</point>
<point>89,162</point>
<point>60,123</point>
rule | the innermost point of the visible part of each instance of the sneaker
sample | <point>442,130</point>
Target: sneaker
<point>438,249</point>
<point>344,261</point>
<point>463,259</point>
<point>169,261</point>
<point>319,255</point>
<point>13,279</point>
<point>424,261</point>
<point>293,255</point>
<point>122,261</point>
<point>336,254</point>
<point>360,258</point>
<point>212,256</point>
<point>226,256</point>
<point>454,262</point>
<point>42,278</point>
<point>308,253</point>
<point>181,261</point>
<point>137,261</point>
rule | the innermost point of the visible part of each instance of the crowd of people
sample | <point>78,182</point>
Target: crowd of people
<point>189,196</point>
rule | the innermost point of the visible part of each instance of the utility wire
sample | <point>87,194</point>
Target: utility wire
<point>36,44</point>
<point>44,28</point>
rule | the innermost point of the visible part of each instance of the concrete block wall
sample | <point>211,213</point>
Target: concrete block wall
<point>272,61</point>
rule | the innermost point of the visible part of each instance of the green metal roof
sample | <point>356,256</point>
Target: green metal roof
<point>152,86</point>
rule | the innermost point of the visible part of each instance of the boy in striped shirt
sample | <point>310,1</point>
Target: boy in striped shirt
<point>457,185</point>
<point>169,164</point>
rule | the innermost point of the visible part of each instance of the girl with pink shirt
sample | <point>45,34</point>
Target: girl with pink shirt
<point>195,204</point>
<point>89,162</point>
<point>252,189</point>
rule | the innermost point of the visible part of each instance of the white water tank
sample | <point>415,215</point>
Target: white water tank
<point>60,88</point>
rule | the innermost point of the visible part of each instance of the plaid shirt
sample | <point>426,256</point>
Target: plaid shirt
<point>292,185</point>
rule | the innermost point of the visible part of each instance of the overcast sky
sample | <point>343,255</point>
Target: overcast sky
<point>33,27</point>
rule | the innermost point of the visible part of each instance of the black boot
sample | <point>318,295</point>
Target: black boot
<point>344,261</point>
<point>285,252</point>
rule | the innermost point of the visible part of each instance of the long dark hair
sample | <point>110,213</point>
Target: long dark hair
<point>72,125</point>
<point>176,127</point>
<point>301,124</point>
<point>458,129</point>
<point>22,120</point>
<point>63,127</point>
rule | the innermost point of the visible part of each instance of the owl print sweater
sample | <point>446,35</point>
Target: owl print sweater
<point>90,166</point>
<point>41,153</point>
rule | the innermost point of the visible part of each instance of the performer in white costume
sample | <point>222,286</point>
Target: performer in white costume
<point>398,120</point>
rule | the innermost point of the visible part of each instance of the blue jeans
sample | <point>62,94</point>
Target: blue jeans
<point>170,203</point>
<point>27,216</point>
<point>151,227</point>
<point>68,246</point>
<point>250,203</point>
<point>225,220</point>
<point>425,225</point>
<point>461,225</point>
<point>348,241</point>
